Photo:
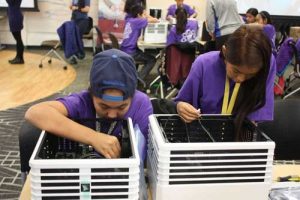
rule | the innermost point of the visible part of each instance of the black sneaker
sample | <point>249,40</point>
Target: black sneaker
<point>73,61</point>
<point>16,60</point>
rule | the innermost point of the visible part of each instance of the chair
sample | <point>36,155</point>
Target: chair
<point>173,72</point>
<point>114,41</point>
<point>89,35</point>
<point>295,74</point>
<point>283,59</point>
<point>115,44</point>
<point>54,44</point>
<point>284,129</point>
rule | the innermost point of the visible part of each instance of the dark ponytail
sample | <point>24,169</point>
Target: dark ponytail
<point>181,20</point>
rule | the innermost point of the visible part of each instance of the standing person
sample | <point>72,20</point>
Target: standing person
<point>184,31</point>
<point>179,3</point>
<point>251,15</point>
<point>112,96</point>
<point>222,19</point>
<point>244,69</point>
<point>15,18</point>
<point>133,29</point>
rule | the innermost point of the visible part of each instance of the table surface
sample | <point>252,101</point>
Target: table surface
<point>278,171</point>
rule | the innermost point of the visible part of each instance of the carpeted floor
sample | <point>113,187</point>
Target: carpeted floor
<point>10,123</point>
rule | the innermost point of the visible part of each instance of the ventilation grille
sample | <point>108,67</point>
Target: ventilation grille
<point>177,164</point>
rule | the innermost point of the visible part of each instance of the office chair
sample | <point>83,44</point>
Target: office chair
<point>173,72</point>
<point>54,44</point>
<point>114,41</point>
<point>115,44</point>
<point>284,129</point>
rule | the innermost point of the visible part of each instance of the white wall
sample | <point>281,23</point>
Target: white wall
<point>40,26</point>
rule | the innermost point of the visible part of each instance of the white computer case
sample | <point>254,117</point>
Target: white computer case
<point>85,178</point>
<point>207,170</point>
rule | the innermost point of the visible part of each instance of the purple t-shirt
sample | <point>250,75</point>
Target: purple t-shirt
<point>172,9</point>
<point>189,35</point>
<point>204,87</point>
<point>132,32</point>
<point>80,106</point>
<point>270,32</point>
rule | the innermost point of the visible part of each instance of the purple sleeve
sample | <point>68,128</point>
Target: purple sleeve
<point>191,91</point>
<point>190,10</point>
<point>78,105</point>
<point>139,23</point>
<point>266,112</point>
<point>169,11</point>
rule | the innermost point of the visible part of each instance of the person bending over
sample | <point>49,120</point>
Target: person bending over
<point>112,96</point>
<point>242,73</point>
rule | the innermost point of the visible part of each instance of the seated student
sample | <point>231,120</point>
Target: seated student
<point>184,31</point>
<point>112,96</point>
<point>128,6</point>
<point>251,15</point>
<point>179,3</point>
<point>133,29</point>
<point>244,69</point>
<point>80,9</point>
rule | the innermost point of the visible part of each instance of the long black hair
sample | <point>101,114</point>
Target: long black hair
<point>128,5</point>
<point>266,16</point>
<point>181,20</point>
<point>136,10</point>
<point>249,46</point>
<point>252,11</point>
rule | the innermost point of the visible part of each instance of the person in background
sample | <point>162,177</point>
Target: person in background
<point>179,3</point>
<point>242,73</point>
<point>128,6</point>
<point>251,15</point>
<point>133,28</point>
<point>264,19</point>
<point>222,19</point>
<point>111,96</point>
<point>15,19</point>
<point>80,9</point>
<point>184,31</point>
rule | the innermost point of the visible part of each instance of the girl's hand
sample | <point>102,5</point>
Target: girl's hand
<point>187,112</point>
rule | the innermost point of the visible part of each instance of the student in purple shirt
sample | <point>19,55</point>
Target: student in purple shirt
<point>133,28</point>
<point>246,67</point>
<point>112,95</point>
<point>179,3</point>
<point>184,31</point>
